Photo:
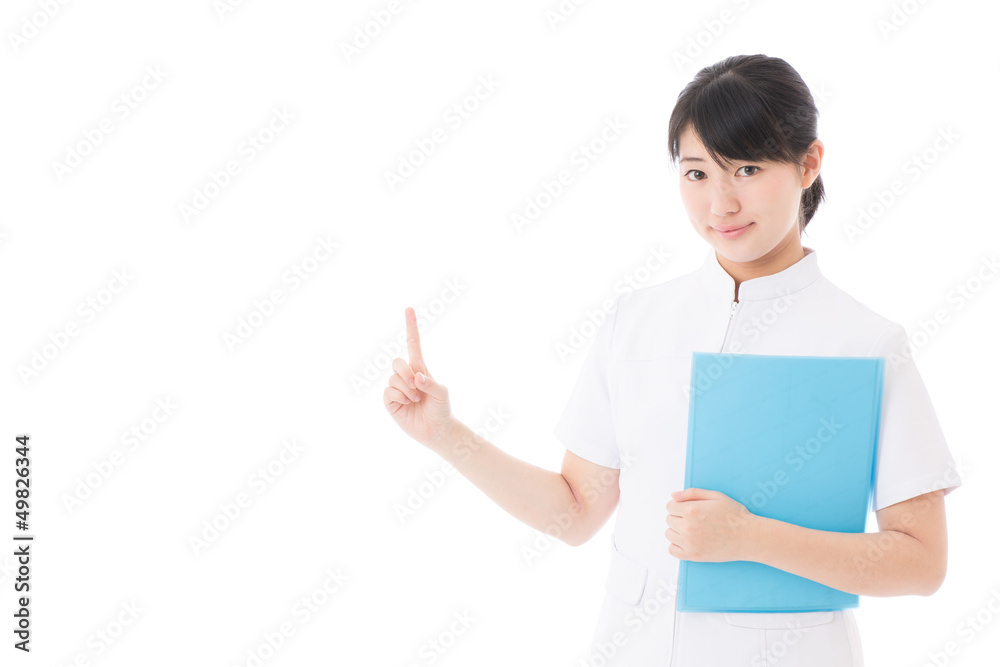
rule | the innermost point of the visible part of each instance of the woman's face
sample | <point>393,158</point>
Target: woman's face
<point>762,198</point>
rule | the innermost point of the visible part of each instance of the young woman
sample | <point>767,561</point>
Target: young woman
<point>744,134</point>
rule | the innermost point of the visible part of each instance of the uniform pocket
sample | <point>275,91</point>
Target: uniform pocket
<point>626,578</point>
<point>779,621</point>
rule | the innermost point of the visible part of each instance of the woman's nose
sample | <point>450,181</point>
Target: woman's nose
<point>724,201</point>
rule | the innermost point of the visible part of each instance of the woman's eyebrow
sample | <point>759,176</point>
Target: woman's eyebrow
<point>728,163</point>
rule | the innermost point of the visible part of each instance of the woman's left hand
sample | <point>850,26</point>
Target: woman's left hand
<point>709,526</point>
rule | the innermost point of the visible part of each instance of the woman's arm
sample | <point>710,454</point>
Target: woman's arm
<point>571,505</point>
<point>908,556</point>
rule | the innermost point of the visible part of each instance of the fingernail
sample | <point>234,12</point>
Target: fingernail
<point>411,382</point>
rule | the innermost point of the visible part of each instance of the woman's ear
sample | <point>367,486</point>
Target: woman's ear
<point>811,163</point>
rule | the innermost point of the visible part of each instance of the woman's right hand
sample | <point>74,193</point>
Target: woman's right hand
<point>418,404</point>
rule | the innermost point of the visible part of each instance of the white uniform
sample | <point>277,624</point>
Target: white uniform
<point>629,410</point>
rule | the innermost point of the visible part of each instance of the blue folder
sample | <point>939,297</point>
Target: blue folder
<point>792,439</point>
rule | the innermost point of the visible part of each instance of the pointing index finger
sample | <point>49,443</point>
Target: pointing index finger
<point>413,340</point>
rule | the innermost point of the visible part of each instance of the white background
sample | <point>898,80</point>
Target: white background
<point>883,98</point>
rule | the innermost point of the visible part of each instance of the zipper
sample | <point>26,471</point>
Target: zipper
<point>673,647</point>
<point>732,314</point>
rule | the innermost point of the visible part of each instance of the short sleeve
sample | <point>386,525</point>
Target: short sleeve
<point>913,455</point>
<point>586,426</point>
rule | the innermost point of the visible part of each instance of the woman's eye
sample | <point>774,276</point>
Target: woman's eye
<point>697,175</point>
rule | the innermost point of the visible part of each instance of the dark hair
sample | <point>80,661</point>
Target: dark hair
<point>751,108</point>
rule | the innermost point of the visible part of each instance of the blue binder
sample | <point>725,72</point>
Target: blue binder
<point>792,439</point>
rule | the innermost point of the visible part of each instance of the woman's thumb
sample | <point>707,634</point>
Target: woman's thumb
<point>427,384</point>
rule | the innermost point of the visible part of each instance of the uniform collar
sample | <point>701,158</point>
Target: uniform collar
<point>792,279</point>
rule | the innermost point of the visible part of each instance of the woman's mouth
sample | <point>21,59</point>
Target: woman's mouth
<point>732,232</point>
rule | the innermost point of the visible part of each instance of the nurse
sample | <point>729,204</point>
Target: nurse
<point>744,134</point>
